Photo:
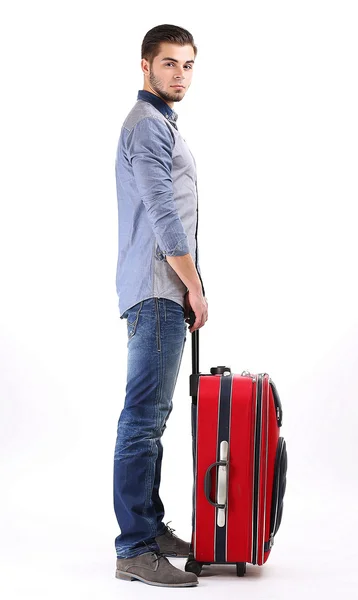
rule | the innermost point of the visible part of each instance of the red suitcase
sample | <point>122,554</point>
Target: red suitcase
<point>240,464</point>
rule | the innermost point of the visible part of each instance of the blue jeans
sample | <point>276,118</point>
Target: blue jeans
<point>156,332</point>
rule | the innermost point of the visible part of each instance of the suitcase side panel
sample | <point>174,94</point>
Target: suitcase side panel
<point>240,496</point>
<point>223,453</point>
<point>206,445</point>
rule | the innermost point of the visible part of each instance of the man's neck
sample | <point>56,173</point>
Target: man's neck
<point>170,104</point>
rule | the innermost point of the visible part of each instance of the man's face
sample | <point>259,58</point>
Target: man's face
<point>173,66</point>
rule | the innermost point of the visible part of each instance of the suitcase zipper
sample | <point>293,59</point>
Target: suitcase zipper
<point>256,489</point>
<point>276,397</point>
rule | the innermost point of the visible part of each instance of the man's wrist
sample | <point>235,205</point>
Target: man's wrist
<point>195,288</point>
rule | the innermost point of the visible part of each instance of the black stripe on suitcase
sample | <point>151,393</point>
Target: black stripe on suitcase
<point>223,435</point>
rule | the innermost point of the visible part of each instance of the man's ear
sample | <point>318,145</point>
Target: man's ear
<point>145,66</point>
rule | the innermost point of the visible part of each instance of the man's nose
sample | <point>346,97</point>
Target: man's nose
<point>180,72</point>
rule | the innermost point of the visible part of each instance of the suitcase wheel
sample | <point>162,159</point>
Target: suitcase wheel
<point>192,566</point>
<point>240,569</point>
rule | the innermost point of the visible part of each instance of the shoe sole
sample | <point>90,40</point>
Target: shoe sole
<point>131,577</point>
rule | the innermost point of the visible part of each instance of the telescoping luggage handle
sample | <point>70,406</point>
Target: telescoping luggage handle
<point>194,344</point>
<point>222,464</point>
<point>195,351</point>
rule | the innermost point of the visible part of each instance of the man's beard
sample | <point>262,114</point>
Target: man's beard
<point>156,86</point>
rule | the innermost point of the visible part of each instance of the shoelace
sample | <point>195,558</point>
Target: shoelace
<point>159,555</point>
<point>170,529</point>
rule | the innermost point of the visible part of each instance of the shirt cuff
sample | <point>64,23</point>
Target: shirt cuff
<point>180,249</point>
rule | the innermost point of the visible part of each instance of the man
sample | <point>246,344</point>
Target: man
<point>158,284</point>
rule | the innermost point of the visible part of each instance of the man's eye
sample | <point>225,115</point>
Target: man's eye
<point>167,65</point>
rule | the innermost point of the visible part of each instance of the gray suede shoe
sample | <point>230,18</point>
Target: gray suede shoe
<point>170,545</point>
<point>153,568</point>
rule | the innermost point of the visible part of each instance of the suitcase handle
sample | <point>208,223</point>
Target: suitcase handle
<point>194,345</point>
<point>207,482</point>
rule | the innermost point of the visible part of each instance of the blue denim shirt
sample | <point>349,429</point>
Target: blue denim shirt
<point>157,203</point>
<point>162,106</point>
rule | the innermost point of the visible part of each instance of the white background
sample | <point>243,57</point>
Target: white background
<point>271,118</point>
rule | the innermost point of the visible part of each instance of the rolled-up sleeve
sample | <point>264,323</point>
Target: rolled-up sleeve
<point>149,151</point>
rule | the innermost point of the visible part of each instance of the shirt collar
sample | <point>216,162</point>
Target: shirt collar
<point>158,103</point>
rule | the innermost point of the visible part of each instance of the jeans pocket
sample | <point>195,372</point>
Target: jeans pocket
<point>132,319</point>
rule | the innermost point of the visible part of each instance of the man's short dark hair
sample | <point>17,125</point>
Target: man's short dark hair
<point>165,33</point>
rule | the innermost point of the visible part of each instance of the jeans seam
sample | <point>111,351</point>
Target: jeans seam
<point>158,324</point>
<point>160,372</point>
